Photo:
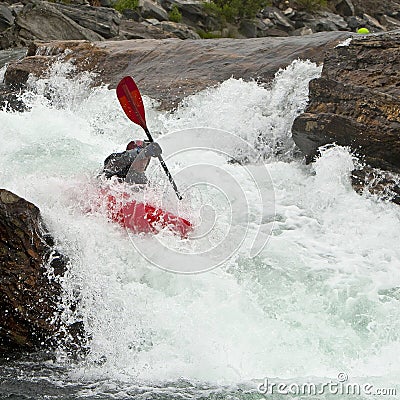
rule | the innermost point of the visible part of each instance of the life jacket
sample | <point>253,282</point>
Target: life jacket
<point>118,165</point>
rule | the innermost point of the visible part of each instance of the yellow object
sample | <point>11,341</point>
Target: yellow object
<point>363,31</point>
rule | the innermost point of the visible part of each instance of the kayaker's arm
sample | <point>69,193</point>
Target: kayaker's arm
<point>142,160</point>
<point>118,163</point>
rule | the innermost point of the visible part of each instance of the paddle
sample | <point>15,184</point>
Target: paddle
<point>132,103</point>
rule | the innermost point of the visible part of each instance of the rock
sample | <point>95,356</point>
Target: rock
<point>193,14</point>
<point>378,182</point>
<point>10,99</point>
<point>150,9</point>
<point>132,14</point>
<point>182,31</point>
<point>258,28</point>
<point>104,21</point>
<point>326,21</point>
<point>355,23</point>
<point>134,30</point>
<point>377,8</point>
<point>16,8</point>
<point>279,19</point>
<point>15,78</point>
<point>11,55</point>
<point>9,38</point>
<point>302,31</point>
<point>6,18</point>
<point>267,22</point>
<point>345,8</point>
<point>29,289</point>
<point>390,23</point>
<point>248,28</point>
<point>187,66</point>
<point>356,102</point>
<point>289,12</point>
<point>373,24</point>
<point>44,22</point>
<point>106,3</point>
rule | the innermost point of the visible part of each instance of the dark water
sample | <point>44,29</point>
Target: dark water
<point>40,377</point>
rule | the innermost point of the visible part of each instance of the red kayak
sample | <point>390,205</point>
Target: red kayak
<point>143,218</point>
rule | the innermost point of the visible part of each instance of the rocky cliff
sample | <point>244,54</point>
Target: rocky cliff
<point>30,315</point>
<point>356,103</point>
<point>169,70</point>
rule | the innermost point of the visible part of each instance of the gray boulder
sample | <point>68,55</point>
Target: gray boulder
<point>390,23</point>
<point>29,293</point>
<point>344,7</point>
<point>102,20</point>
<point>6,18</point>
<point>302,31</point>
<point>278,18</point>
<point>16,8</point>
<point>193,14</point>
<point>182,31</point>
<point>261,28</point>
<point>373,24</point>
<point>327,21</point>
<point>355,22</point>
<point>44,22</point>
<point>150,9</point>
<point>130,29</point>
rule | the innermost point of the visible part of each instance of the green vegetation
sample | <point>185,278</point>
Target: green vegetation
<point>233,10</point>
<point>122,5</point>
<point>175,15</point>
<point>208,35</point>
<point>311,5</point>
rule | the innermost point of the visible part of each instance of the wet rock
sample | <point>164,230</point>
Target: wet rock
<point>6,18</point>
<point>104,21</point>
<point>356,102</point>
<point>377,182</point>
<point>187,66</point>
<point>44,22</point>
<point>29,289</point>
<point>10,99</point>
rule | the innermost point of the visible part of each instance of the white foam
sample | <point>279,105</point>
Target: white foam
<point>321,297</point>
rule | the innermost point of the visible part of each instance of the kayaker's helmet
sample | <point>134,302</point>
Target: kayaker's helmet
<point>134,144</point>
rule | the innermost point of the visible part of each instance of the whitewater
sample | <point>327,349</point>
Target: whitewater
<point>296,277</point>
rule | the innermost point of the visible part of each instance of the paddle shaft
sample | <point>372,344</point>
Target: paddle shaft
<point>166,170</point>
<point>144,126</point>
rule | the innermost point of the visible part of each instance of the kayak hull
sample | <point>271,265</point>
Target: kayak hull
<point>144,218</point>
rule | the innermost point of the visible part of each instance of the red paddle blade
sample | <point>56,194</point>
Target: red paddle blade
<point>131,101</point>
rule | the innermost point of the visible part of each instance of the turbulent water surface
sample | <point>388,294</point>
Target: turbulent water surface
<point>318,302</point>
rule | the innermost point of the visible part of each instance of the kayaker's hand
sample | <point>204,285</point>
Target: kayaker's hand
<point>153,149</point>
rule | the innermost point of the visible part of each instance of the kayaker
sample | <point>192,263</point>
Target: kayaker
<point>130,165</point>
